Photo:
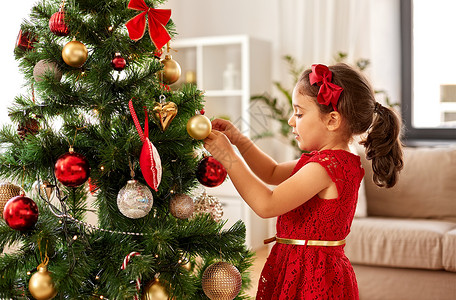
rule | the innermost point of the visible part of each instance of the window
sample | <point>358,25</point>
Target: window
<point>429,69</point>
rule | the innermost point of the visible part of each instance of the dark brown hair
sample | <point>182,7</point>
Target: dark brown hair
<point>361,113</point>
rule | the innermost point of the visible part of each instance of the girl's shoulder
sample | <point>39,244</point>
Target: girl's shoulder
<point>330,159</point>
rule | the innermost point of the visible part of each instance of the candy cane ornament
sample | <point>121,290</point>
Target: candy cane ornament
<point>124,265</point>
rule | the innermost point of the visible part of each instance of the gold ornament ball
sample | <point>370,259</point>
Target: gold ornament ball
<point>41,285</point>
<point>75,54</point>
<point>199,127</point>
<point>221,281</point>
<point>181,206</point>
<point>171,70</point>
<point>7,191</point>
<point>155,291</point>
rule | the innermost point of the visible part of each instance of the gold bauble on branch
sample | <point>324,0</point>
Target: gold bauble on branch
<point>221,281</point>
<point>155,290</point>
<point>171,70</point>
<point>41,285</point>
<point>199,127</point>
<point>75,54</point>
<point>7,191</point>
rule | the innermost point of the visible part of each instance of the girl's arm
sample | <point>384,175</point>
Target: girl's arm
<point>310,180</point>
<point>266,168</point>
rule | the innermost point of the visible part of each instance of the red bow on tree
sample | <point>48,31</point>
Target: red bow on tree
<point>157,19</point>
<point>329,92</point>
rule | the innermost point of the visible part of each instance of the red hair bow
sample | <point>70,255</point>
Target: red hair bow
<point>329,92</point>
<point>157,18</point>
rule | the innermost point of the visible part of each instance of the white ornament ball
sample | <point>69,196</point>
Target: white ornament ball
<point>135,200</point>
<point>43,67</point>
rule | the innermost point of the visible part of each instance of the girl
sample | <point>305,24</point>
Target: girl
<point>316,196</point>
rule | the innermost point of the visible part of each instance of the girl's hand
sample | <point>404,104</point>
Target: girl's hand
<point>228,129</point>
<point>220,148</point>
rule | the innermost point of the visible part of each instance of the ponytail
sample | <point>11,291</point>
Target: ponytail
<point>383,146</point>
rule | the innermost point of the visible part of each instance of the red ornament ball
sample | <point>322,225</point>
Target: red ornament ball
<point>118,63</point>
<point>25,40</point>
<point>210,172</point>
<point>72,169</point>
<point>57,24</point>
<point>20,213</point>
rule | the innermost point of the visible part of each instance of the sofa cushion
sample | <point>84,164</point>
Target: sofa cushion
<point>426,188</point>
<point>449,251</point>
<point>397,242</point>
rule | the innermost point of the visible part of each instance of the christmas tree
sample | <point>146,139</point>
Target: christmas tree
<point>101,120</point>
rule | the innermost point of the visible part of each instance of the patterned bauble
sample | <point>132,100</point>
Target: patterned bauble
<point>221,281</point>
<point>72,169</point>
<point>181,206</point>
<point>75,54</point>
<point>210,172</point>
<point>41,285</point>
<point>199,127</point>
<point>135,200</point>
<point>171,70</point>
<point>155,290</point>
<point>57,23</point>
<point>44,67</point>
<point>207,204</point>
<point>7,191</point>
<point>20,213</point>
<point>118,63</point>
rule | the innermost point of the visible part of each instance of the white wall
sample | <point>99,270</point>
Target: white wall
<point>11,80</point>
<point>263,18</point>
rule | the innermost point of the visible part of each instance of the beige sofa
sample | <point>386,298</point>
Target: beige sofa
<point>403,246</point>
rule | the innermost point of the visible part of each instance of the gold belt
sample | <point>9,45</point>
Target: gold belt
<point>304,242</point>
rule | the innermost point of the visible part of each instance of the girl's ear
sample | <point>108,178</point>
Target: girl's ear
<point>333,121</point>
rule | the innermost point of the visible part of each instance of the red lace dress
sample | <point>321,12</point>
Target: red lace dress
<point>316,272</point>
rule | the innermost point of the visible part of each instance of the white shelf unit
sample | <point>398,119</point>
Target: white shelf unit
<point>206,59</point>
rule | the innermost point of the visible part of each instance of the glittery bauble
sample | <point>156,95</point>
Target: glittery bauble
<point>221,281</point>
<point>118,63</point>
<point>155,291</point>
<point>7,191</point>
<point>72,169</point>
<point>57,23</point>
<point>20,213</point>
<point>44,67</point>
<point>210,205</point>
<point>135,200</point>
<point>210,172</point>
<point>181,206</point>
<point>171,70</point>
<point>41,285</point>
<point>75,54</point>
<point>199,127</point>
<point>25,41</point>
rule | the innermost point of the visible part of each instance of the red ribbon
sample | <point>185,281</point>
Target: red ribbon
<point>157,19</point>
<point>329,92</point>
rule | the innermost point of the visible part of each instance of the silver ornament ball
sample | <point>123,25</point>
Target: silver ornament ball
<point>135,200</point>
